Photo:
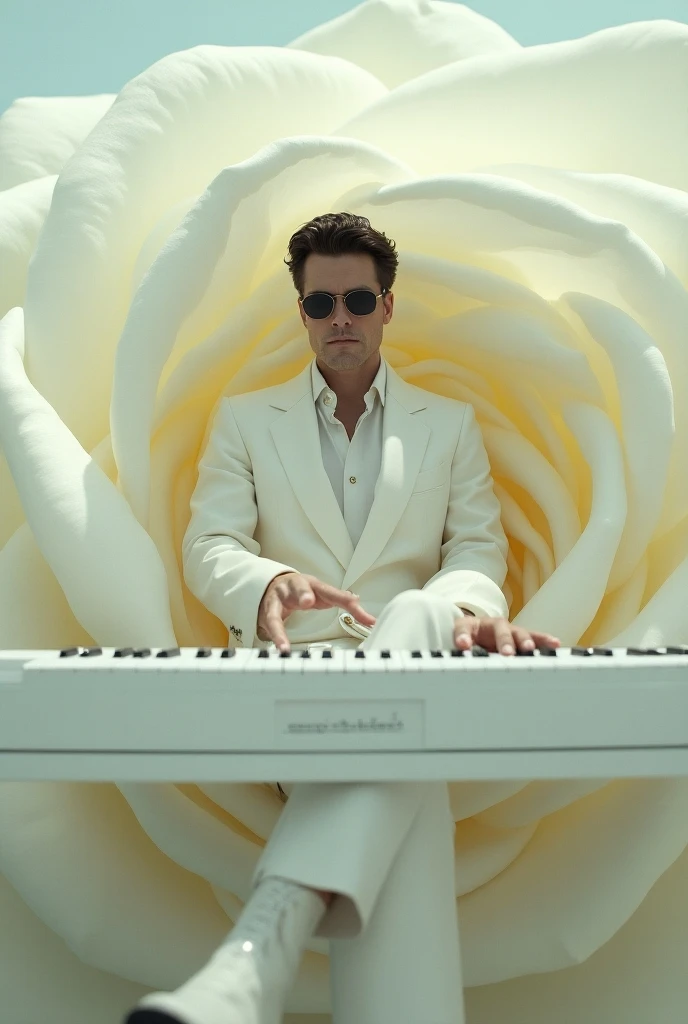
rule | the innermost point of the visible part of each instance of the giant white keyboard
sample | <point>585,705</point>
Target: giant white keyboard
<point>222,714</point>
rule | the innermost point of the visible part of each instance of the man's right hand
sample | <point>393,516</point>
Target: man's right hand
<point>293,592</point>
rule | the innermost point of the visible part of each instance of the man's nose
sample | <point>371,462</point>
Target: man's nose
<point>341,315</point>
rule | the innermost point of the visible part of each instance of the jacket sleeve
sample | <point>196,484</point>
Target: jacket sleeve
<point>222,563</point>
<point>474,546</point>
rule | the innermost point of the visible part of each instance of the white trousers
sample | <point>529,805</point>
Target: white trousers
<point>387,850</point>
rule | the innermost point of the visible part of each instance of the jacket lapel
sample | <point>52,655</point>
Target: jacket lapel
<point>297,440</point>
<point>404,441</point>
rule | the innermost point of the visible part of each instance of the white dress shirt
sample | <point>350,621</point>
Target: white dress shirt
<point>352,466</point>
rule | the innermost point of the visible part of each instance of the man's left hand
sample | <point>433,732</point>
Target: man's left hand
<point>498,635</point>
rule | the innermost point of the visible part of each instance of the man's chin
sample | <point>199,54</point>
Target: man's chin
<point>344,357</point>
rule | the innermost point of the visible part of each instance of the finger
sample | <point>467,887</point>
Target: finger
<point>545,640</point>
<point>523,639</point>
<point>504,641</point>
<point>274,624</point>
<point>296,592</point>
<point>463,633</point>
<point>359,613</point>
<point>331,597</point>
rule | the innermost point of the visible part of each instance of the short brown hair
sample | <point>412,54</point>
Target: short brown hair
<point>334,234</point>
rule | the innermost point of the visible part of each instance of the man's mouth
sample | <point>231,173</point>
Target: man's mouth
<point>334,341</point>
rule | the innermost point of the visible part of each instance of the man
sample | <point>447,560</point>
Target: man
<point>344,477</point>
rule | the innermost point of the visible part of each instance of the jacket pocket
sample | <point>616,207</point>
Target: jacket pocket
<point>430,478</point>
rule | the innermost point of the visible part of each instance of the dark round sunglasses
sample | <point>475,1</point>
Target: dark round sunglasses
<point>360,302</point>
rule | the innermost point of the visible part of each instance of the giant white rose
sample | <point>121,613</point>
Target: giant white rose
<point>538,198</point>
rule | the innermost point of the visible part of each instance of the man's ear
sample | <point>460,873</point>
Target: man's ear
<point>388,301</point>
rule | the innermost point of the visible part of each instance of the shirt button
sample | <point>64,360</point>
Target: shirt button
<point>352,479</point>
<point>327,399</point>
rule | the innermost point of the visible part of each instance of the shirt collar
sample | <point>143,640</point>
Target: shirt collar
<point>319,384</point>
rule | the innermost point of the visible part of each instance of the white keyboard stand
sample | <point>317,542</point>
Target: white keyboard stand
<point>254,719</point>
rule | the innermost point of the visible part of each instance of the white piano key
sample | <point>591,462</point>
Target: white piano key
<point>325,662</point>
<point>374,663</point>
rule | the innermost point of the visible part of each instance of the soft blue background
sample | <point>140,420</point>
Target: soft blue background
<point>62,47</point>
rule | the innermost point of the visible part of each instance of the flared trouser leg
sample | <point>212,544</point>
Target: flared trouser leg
<point>405,966</point>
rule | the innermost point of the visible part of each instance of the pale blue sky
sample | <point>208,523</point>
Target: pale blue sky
<point>62,47</point>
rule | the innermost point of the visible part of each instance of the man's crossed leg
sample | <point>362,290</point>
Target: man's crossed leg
<point>369,866</point>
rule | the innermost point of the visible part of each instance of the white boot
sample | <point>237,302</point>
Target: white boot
<point>247,979</point>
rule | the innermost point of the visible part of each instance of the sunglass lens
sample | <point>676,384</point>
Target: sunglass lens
<point>318,305</point>
<point>361,303</point>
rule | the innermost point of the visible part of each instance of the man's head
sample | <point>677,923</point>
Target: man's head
<point>331,257</point>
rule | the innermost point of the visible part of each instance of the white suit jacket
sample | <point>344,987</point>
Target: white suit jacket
<point>264,505</point>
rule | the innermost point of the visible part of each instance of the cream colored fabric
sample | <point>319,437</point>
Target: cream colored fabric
<point>352,466</point>
<point>405,965</point>
<point>264,505</point>
<point>389,849</point>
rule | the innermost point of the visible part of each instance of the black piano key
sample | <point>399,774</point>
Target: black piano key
<point>416,654</point>
<point>547,652</point>
<point>142,652</point>
<point>677,650</point>
<point>264,653</point>
<point>641,650</point>
<point>305,654</point>
<point>584,652</point>
<point>69,652</point>
<point>169,652</point>
<point>479,652</point>
<point>124,652</point>
<point>524,654</point>
<point>326,654</point>
<point>436,654</point>
<point>204,652</point>
<point>91,652</point>
<point>385,654</point>
<point>456,653</point>
<point>227,652</point>
<point>603,652</point>
<point>359,654</point>
<point>285,654</point>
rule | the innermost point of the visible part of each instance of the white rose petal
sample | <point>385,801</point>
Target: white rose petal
<point>663,618</point>
<point>613,102</point>
<point>537,799</point>
<point>71,892</point>
<point>655,213</point>
<point>483,852</point>
<point>34,612</point>
<point>561,605</point>
<point>550,920</point>
<point>39,134</point>
<point>636,977</point>
<point>416,36</point>
<point>621,607</point>
<point>23,210</point>
<point>81,992</point>
<point>647,422</point>
<point>83,526</point>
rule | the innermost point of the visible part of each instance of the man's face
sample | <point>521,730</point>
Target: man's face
<point>343,341</point>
